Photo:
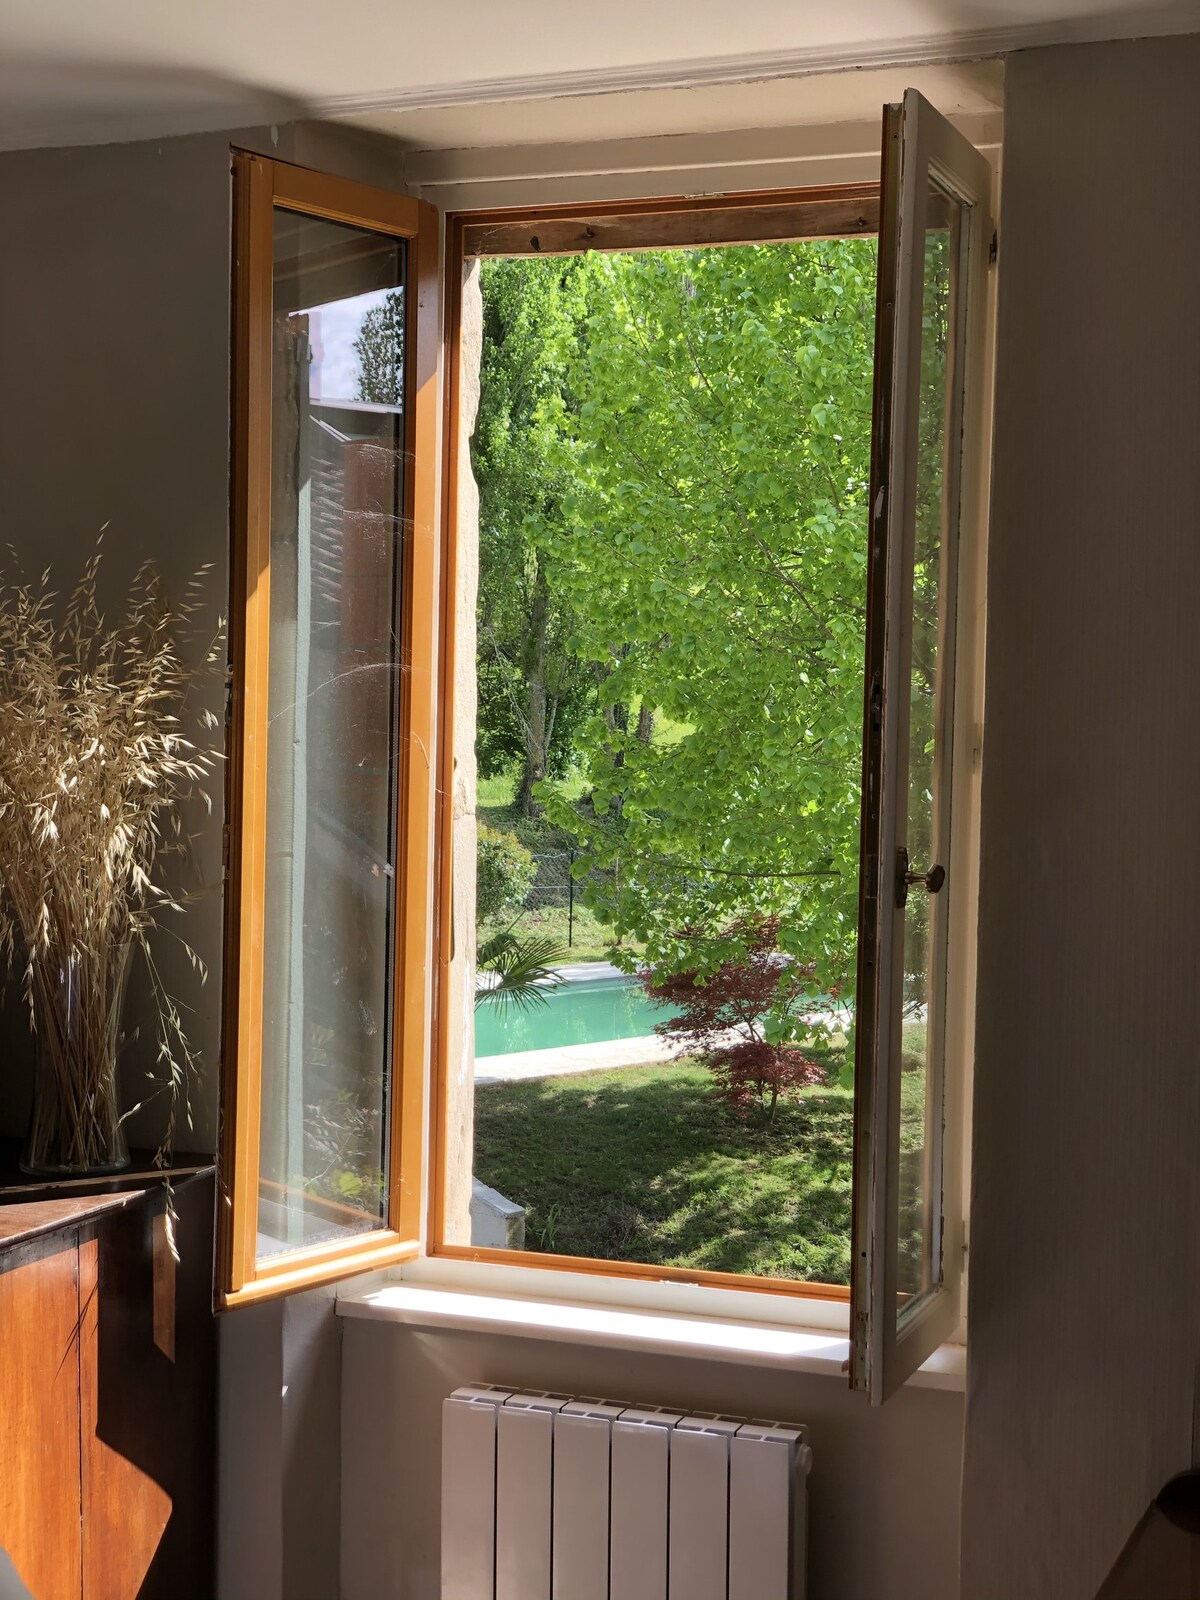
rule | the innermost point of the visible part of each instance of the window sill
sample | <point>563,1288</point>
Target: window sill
<point>775,1344</point>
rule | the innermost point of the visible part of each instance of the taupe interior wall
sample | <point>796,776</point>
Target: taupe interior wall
<point>883,1509</point>
<point>114,333</point>
<point>114,327</point>
<point>1085,1297</point>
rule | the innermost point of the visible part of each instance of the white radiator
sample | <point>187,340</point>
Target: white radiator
<point>549,1498</point>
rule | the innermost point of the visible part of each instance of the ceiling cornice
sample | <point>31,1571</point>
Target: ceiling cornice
<point>923,51</point>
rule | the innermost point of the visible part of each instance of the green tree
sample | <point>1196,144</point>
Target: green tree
<point>504,873</point>
<point>714,560</point>
<point>379,346</point>
<point>532,688</point>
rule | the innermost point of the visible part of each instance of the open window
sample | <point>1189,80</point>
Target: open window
<point>914,897</point>
<point>673,418</point>
<point>349,987</point>
<point>330,784</point>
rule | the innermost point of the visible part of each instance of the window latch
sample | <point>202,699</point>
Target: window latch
<point>905,879</point>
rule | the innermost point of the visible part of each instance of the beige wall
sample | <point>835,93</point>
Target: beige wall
<point>1085,1296</point>
<point>114,328</point>
<point>114,334</point>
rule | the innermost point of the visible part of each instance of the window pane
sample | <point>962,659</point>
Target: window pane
<point>336,502</point>
<point>930,709</point>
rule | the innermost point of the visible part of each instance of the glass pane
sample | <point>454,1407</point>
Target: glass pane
<point>336,503</point>
<point>931,691</point>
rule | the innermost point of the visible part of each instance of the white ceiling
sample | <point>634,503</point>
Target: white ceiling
<point>92,69</point>
<point>962,88</point>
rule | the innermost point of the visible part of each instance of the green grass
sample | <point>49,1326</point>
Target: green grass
<point>667,731</point>
<point>644,1164</point>
<point>591,939</point>
<point>495,805</point>
<point>493,794</point>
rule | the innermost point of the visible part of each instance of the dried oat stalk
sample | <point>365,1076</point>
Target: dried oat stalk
<point>96,768</point>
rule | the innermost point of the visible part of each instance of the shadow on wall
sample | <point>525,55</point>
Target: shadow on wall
<point>51,101</point>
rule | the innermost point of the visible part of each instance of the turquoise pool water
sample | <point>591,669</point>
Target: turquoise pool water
<point>575,1013</point>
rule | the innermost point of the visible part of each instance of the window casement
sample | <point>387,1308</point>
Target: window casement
<point>330,789</point>
<point>916,862</point>
<point>341,943</point>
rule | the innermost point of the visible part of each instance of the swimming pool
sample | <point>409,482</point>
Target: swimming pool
<point>588,1011</point>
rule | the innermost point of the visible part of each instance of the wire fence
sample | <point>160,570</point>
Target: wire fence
<point>556,888</point>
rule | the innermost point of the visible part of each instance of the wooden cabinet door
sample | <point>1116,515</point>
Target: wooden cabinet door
<point>39,1414</point>
<point>108,1398</point>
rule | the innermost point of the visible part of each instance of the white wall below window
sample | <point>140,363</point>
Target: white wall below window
<point>883,1506</point>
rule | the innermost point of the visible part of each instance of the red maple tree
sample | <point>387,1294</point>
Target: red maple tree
<point>722,1017</point>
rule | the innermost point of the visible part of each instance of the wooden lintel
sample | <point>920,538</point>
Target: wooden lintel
<point>794,219</point>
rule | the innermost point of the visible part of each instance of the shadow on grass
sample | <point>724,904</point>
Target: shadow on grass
<point>644,1165</point>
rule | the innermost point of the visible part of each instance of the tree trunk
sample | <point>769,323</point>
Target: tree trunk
<point>645,723</point>
<point>537,725</point>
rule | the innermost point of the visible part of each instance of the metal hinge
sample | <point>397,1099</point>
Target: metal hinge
<point>993,249</point>
<point>860,1358</point>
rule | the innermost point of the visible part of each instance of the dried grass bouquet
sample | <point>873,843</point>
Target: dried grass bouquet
<point>95,769</point>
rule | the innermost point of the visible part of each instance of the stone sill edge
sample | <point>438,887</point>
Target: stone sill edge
<point>763,1344</point>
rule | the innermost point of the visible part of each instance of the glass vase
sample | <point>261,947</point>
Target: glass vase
<point>75,1128</point>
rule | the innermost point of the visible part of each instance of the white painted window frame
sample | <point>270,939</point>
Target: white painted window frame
<point>893,1334</point>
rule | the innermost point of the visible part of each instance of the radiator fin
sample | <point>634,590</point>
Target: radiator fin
<point>640,1501</point>
<point>468,1499</point>
<point>524,1495</point>
<point>699,1519</point>
<point>582,1465</point>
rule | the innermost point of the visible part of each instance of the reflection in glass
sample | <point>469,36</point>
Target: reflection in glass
<point>931,679</point>
<point>336,506</point>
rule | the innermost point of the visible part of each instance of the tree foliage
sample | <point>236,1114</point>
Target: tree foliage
<point>533,688</point>
<point>739,1016</point>
<point>504,873</point>
<point>712,555</point>
<point>379,346</point>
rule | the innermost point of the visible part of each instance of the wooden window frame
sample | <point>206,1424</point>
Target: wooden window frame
<point>261,185</point>
<point>767,216</point>
<point>422,997</point>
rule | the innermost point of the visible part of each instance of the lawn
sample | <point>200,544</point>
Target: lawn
<point>590,939</point>
<point>643,1164</point>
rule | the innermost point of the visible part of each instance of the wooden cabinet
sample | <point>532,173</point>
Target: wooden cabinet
<point>108,1395</point>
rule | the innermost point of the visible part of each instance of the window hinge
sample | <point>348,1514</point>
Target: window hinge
<point>993,249</point>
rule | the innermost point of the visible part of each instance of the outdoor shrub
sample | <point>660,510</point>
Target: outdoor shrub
<point>736,1019</point>
<point>504,873</point>
<point>752,1075</point>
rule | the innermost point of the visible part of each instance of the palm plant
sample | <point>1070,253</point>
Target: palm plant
<point>524,969</point>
